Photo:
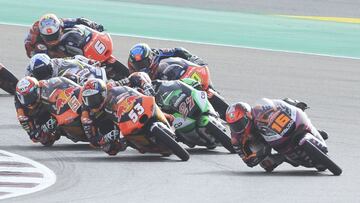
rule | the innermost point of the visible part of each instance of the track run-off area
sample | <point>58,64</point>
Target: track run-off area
<point>330,85</point>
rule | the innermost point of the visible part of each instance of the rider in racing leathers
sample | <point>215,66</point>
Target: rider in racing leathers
<point>32,112</point>
<point>45,34</point>
<point>251,126</point>
<point>156,63</point>
<point>42,67</point>
<point>97,116</point>
<point>142,57</point>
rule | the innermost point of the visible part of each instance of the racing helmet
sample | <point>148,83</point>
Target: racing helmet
<point>40,67</point>
<point>28,91</point>
<point>239,118</point>
<point>94,93</point>
<point>140,57</point>
<point>50,27</point>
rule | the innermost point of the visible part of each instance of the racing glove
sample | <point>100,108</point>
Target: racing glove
<point>91,24</point>
<point>197,60</point>
<point>28,126</point>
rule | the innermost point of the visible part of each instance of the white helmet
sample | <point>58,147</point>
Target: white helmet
<point>50,27</point>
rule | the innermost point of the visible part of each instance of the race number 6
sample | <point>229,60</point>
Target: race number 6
<point>99,47</point>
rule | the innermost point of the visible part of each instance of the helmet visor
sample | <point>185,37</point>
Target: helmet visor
<point>92,98</point>
<point>28,100</point>
<point>240,125</point>
<point>43,73</point>
<point>52,38</point>
<point>142,65</point>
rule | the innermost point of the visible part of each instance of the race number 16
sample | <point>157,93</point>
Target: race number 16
<point>99,47</point>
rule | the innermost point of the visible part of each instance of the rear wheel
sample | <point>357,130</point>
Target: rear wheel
<point>7,80</point>
<point>320,157</point>
<point>221,136</point>
<point>165,137</point>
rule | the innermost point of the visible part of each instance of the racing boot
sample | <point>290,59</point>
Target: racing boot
<point>272,161</point>
<point>299,104</point>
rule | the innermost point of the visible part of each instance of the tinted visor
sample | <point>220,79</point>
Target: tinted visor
<point>240,125</point>
<point>43,73</point>
<point>93,101</point>
<point>53,38</point>
<point>142,65</point>
<point>28,100</point>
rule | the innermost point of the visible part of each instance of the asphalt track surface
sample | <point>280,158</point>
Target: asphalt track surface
<point>330,86</point>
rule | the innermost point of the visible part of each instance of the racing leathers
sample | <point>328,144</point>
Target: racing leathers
<point>160,54</point>
<point>178,68</point>
<point>100,125</point>
<point>35,44</point>
<point>77,69</point>
<point>273,124</point>
<point>58,106</point>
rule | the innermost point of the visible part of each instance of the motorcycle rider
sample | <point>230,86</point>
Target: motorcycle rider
<point>45,34</point>
<point>157,63</point>
<point>31,111</point>
<point>42,67</point>
<point>98,114</point>
<point>146,59</point>
<point>255,130</point>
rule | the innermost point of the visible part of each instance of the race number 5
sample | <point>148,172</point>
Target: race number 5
<point>137,111</point>
<point>99,47</point>
<point>280,123</point>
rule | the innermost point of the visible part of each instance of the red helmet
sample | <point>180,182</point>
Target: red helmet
<point>239,117</point>
<point>94,93</point>
<point>50,27</point>
<point>28,91</point>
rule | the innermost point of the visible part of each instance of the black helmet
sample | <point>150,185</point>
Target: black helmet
<point>140,57</point>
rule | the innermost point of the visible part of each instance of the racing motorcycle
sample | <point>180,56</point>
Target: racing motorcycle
<point>175,68</point>
<point>64,104</point>
<point>80,75</point>
<point>299,146</point>
<point>195,120</point>
<point>145,127</point>
<point>85,41</point>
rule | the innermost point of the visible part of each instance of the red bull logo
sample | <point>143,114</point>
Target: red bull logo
<point>63,98</point>
<point>125,105</point>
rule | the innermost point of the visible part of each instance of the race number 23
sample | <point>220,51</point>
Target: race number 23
<point>280,123</point>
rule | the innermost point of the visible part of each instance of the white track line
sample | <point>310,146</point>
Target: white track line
<point>214,44</point>
<point>29,178</point>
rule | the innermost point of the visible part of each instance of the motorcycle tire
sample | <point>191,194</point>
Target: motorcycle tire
<point>165,138</point>
<point>317,155</point>
<point>221,136</point>
<point>7,80</point>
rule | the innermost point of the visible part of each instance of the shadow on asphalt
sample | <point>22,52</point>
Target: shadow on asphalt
<point>55,147</point>
<point>281,173</point>
<point>118,158</point>
<point>6,95</point>
<point>205,151</point>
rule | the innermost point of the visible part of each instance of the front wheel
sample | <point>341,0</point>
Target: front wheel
<point>318,156</point>
<point>221,136</point>
<point>164,136</point>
